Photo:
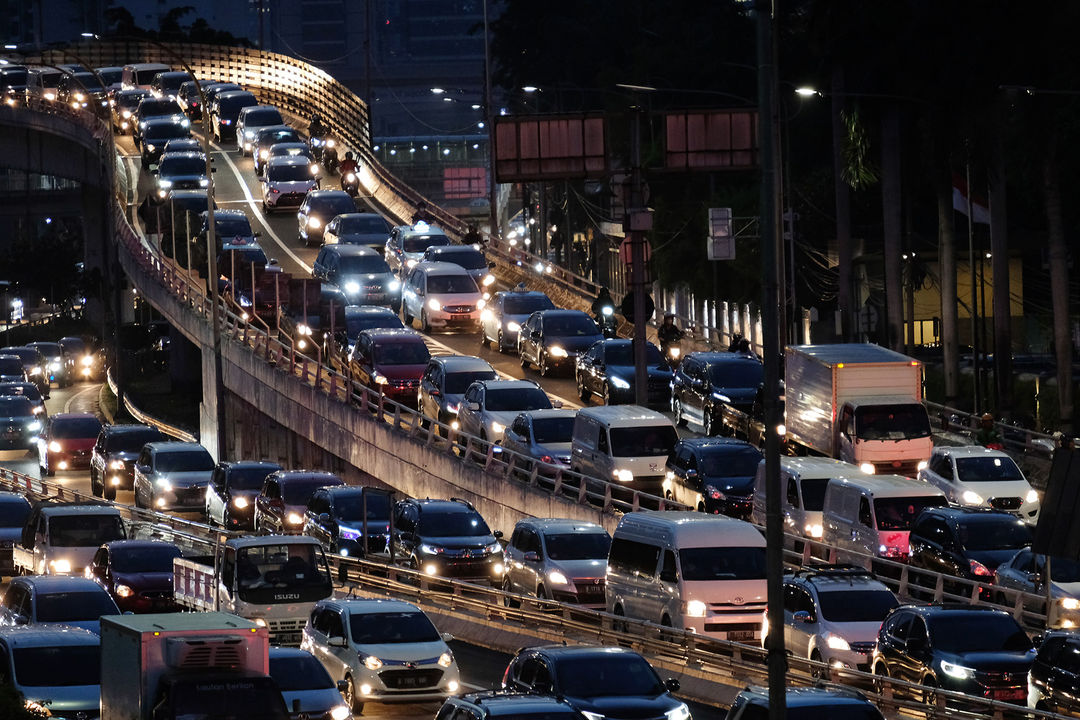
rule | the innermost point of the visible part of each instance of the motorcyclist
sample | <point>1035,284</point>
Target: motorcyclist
<point>733,346</point>
<point>473,236</point>
<point>316,129</point>
<point>422,214</point>
<point>603,300</point>
<point>348,165</point>
<point>668,333</point>
<point>987,434</point>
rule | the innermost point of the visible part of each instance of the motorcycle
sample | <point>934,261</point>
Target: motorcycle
<point>325,151</point>
<point>606,320</point>
<point>350,184</point>
<point>673,354</point>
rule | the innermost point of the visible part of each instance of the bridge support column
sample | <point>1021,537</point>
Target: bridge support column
<point>209,407</point>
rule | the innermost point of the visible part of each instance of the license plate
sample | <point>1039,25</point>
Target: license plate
<point>741,635</point>
<point>593,589</point>
<point>459,317</point>
<point>408,682</point>
<point>1017,693</point>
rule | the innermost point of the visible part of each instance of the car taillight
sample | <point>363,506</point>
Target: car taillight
<point>980,570</point>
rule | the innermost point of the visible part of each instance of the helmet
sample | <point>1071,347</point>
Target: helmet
<point>987,417</point>
<point>315,117</point>
<point>349,155</point>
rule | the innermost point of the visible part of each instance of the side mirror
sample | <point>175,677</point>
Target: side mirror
<point>691,474</point>
<point>672,685</point>
<point>532,556</point>
<point>473,405</point>
<point>803,616</point>
<point>497,534</point>
<point>336,641</point>
<point>447,637</point>
<point>324,517</point>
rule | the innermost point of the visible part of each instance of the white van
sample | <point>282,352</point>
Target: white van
<point>689,570</point>
<point>628,444</point>
<point>802,484</point>
<point>872,515</point>
<point>140,75</point>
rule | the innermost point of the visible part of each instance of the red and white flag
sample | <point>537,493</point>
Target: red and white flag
<point>980,208</point>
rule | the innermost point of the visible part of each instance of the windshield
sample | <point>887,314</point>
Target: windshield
<point>457,383</point>
<point>852,605</point>
<point>11,366</point>
<point>270,567</point>
<point>350,508</point>
<point>529,398</point>
<point>722,563</point>
<point>451,284</point>
<point>111,77</point>
<point>622,353</point>
<point>283,149</point>
<point>144,559</point>
<point>891,422</point>
<point>74,606</point>
<point>183,461</point>
<point>84,530</point>
<point>248,478</point>
<point>49,349</point>
<point>146,75</point>
<point>467,258</point>
<point>643,441</point>
<point>452,524</point>
<point>60,666</point>
<point>263,117</point>
<point>420,243</point>
<point>273,137</point>
<point>526,304</point>
<point>131,100</point>
<point>736,374</point>
<point>171,82</point>
<point>14,77</point>
<point>298,491</point>
<point>151,107</point>
<point>13,512</point>
<point>15,406</point>
<point>75,428</point>
<point>225,698</point>
<point>27,390</point>
<point>29,356</point>
<point>182,166</point>
<point>299,672</point>
<point>332,205</point>
<point>995,533</point>
<point>409,626</point>
<point>363,224</point>
<point>977,631</point>
<point>1062,570</point>
<point>898,513</point>
<point>289,172</point>
<point>578,546</point>
<point>553,430</point>
<point>743,463</point>
<point>401,353</point>
<point>231,106</point>
<point>165,131</point>
<point>363,265</point>
<point>355,324</point>
<point>602,674</point>
<point>228,227</point>
<point>813,493</point>
<point>570,326</point>
<point>987,469</point>
<point>87,82</point>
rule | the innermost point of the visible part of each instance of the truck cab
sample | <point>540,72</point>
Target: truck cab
<point>61,538</point>
<point>884,434</point>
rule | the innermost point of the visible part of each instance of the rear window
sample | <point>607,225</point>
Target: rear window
<point>420,243</point>
<point>263,116</point>
<point>364,224</point>
<point>289,173</point>
<point>75,428</point>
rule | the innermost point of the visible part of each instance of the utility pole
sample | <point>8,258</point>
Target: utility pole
<point>489,121</point>
<point>975,360</point>
<point>639,222</point>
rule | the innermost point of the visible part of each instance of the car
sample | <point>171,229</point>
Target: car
<point>444,382</point>
<point>465,256</point>
<point>558,559</point>
<point>265,138</point>
<point>553,339</point>
<point>360,273</point>
<point>391,362</point>
<point>286,182</point>
<point>112,461</point>
<point>179,171</point>
<point>188,144</point>
<point>318,208</point>
<point>1054,678</point>
<point>212,91</point>
<point>283,500</point>
<point>338,516</point>
<point>167,84</point>
<point>705,382</point>
<point>230,496</point>
<point>292,149</point>
<point>112,76</point>
<point>33,364</point>
<point>56,599</point>
<point>492,705</point>
<point>141,74</point>
<point>976,476</point>
<point>382,650</point>
<point>407,244</point>
<point>502,317</point>
<point>153,108</point>
<point>832,614</point>
<point>55,668</point>
<point>369,317</point>
<point>14,509</point>
<point>28,390</point>
<point>612,683</point>
<point>965,542</point>
<point>489,406</point>
<point>970,649</point>
<point>19,424</point>
<point>446,538</point>
<point>83,91</point>
<point>172,476</point>
<point>187,97</point>
<point>805,703</point>
<point>543,435</point>
<point>369,229</point>
<point>225,107</point>
<point>305,685</point>
<point>124,105</point>
<point>713,475</point>
<point>11,369</point>
<point>137,574</point>
<point>252,118</point>
<point>87,360</point>
<point>441,295</point>
<point>607,370</point>
<point>67,442</point>
<point>41,83</point>
<point>1026,572</point>
<point>59,367</point>
<point>155,133</point>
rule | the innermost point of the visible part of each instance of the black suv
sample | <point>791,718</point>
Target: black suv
<point>447,538</point>
<point>970,649</point>
<point>1054,680</point>
<point>706,382</point>
<point>336,517</point>
<point>491,705</point>
<point>599,682</point>
<point>966,542</point>
<point>714,475</point>
<point>805,703</point>
<point>112,462</point>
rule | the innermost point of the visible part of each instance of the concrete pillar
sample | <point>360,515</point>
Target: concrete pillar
<point>208,408</point>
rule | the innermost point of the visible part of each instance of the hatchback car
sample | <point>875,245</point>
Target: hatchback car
<point>558,559</point>
<point>230,496</point>
<point>179,171</point>
<point>124,105</point>
<point>338,517</point>
<point>466,257</point>
<point>980,477</point>
<point>187,97</point>
<point>19,424</point>
<point>407,244</point>
<point>805,703</point>
<point>67,441</point>
<point>318,208</point>
<point>369,317</point>
<point>29,391</point>
<point>1026,572</point>
<point>172,476</point>
<point>138,574</point>
<point>157,132</point>
<point>360,273</point>
<point>543,435</point>
<point>112,461</point>
<point>441,295</point>
<point>552,339</point>
<point>292,149</point>
<point>607,370</point>
<point>391,362</point>
<point>447,538</point>
<point>705,382</point>
<point>59,367</point>
<point>965,542</point>
<point>444,383</point>
<point>56,599</point>
<point>188,144</point>
<point>286,182</point>
<point>383,650</point>
<point>613,683</point>
<point>713,475</point>
<point>369,229</point>
<point>489,406</point>
<point>283,500</point>
<point>265,138</point>
<point>250,120</point>
<point>225,107</point>
<point>305,686</point>
<point>53,667</point>
<point>504,314</point>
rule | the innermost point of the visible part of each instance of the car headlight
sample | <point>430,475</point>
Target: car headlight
<point>151,148</point>
<point>434,304</point>
<point>372,663</point>
<point>814,530</point>
<point>493,547</point>
<point>835,642</point>
<point>38,409</point>
<point>430,549</point>
<point>60,566</point>
<point>87,360</point>
<point>680,713</point>
<point>446,659</point>
<point>259,621</point>
<point>54,366</point>
<point>513,326</point>
<point>393,286</point>
<point>696,608</point>
<point>240,502</point>
<point>557,351</point>
<point>55,446</point>
<point>124,591</point>
<point>348,533</point>
<point>264,154</point>
<point>203,182</point>
<point>592,716</point>
<point>35,371</point>
<point>623,476</point>
<point>1070,603</point>
<point>163,485</point>
<point>481,303</point>
<point>249,134</point>
<point>971,498</point>
<point>410,263</point>
<point>619,383</point>
<point>485,316</point>
<point>165,183</point>
<point>1032,496</point>
<point>922,465</point>
<point>956,671</point>
<point>339,712</point>
<point>314,222</point>
<point>488,280</point>
<point>352,287</point>
<point>314,169</point>
<point>125,114</point>
<point>556,577</point>
<point>498,428</point>
<point>116,464</point>
<point>294,518</point>
<point>380,379</point>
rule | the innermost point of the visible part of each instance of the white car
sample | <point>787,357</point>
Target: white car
<point>287,181</point>
<point>382,650</point>
<point>251,119</point>
<point>490,406</point>
<point>980,477</point>
<point>441,295</point>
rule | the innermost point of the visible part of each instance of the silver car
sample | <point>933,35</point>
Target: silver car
<point>1026,572</point>
<point>543,435</point>
<point>557,559</point>
<point>172,476</point>
<point>489,406</point>
<point>251,119</point>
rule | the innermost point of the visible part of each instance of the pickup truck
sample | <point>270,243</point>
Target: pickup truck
<point>272,580</point>
<point>61,538</point>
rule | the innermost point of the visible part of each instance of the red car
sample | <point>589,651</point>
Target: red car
<point>391,361</point>
<point>137,573</point>
<point>67,442</point>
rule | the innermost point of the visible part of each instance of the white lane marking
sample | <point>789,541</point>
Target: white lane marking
<point>76,396</point>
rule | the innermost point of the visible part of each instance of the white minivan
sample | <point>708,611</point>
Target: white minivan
<point>627,444</point>
<point>802,482</point>
<point>689,570</point>
<point>872,515</point>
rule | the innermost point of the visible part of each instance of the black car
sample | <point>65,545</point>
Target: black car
<point>267,137</point>
<point>1054,679</point>
<point>706,382</point>
<point>230,496</point>
<point>714,475</point>
<point>157,132</point>
<point>19,425</point>
<point>318,209</point>
<point>33,363</point>
<point>124,105</point>
<point>28,390</point>
<point>369,229</point>
<point>966,542</point>
<point>59,367</point>
<point>493,705</point>
<point>112,461</point>
<point>613,683</point>
<point>187,97</point>
<point>970,649</point>
<point>554,338</point>
<point>336,518</point>
<point>448,538</point>
<point>369,317</point>
<point>805,703</point>
<point>153,108</point>
<point>445,381</point>
<point>225,107</point>
<point>607,370</point>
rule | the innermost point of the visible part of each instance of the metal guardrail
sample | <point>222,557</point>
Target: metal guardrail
<point>148,419</point>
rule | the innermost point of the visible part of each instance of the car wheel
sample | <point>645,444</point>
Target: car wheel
<point>524,362</point>
<point>405,316</point>
<point>138,499</point>
<point>929,691</point>
<point>47,468</point>
<point>881,673</point>
<point>507,600</point>
<point>108,492</point>
<point>676,410</point>
<point>541,592</point>
<point>582,391</point>
<point>816,672</point>
<point>94,490</point>
<point>425,326</point>
<point>485,342</point>
<point>350,696</point>
<point>499,340</point>
<point>620,625</point>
